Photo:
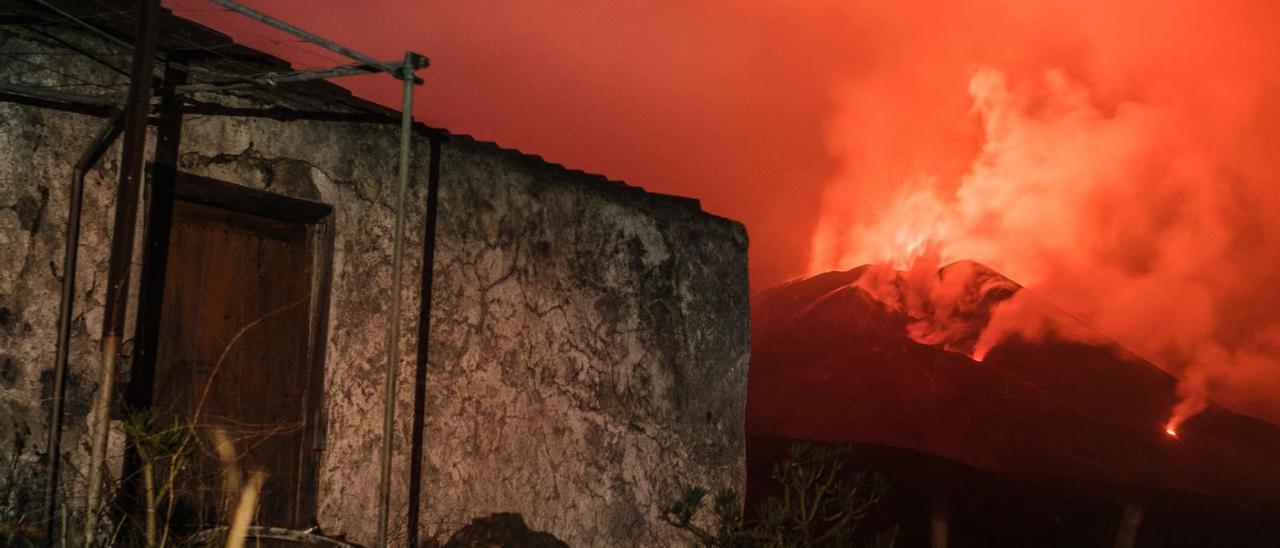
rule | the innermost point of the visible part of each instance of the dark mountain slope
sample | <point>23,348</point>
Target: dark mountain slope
<point>830,362</point>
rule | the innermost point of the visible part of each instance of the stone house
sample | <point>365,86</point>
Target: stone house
<point>588,340</point>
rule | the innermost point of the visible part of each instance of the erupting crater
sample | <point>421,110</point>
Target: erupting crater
<point>875,355</point>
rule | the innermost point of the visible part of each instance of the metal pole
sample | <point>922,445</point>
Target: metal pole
<point>155,249</point>
<point>70,255</point>
<point>137,108</point>
<point>277,79</point>
<point>397,273</point>
<point>424,342</point>
<point>59,97</point>
<point>317,40</point>
<point>156,228</point>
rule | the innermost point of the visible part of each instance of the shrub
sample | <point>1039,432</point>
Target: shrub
<point>820,505</point>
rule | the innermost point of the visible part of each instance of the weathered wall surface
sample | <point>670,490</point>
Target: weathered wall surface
<point>38,148</point>
<point>589,350</point>
<point>33,213</point>
<point>588,340</point>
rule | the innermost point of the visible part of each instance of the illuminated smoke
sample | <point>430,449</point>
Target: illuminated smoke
<point>1120,169</point>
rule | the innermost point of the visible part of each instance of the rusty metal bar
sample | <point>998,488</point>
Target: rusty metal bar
<point>156,226</point>
<point>101,142</point>
<point>156,230</point>
<point>137,108</point>
<point>322,42</point>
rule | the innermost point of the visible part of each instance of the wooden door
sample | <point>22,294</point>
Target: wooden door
<point>236,351</point>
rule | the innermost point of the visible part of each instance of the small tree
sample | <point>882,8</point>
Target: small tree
<point>820,506</point>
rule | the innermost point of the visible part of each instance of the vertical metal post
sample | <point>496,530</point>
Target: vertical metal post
<point>424,343</point>
<point>137,108</point>
<point>411,61</point>
<point>65,305</point>
<point>156,230</point>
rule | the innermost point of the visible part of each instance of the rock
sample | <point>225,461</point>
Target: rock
<point>502,531</point>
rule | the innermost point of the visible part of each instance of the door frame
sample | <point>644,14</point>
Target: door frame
<point>202,190</point>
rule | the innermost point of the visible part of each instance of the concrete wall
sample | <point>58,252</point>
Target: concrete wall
<point>589,340</point>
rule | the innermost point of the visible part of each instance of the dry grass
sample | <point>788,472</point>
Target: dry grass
<point>245,510</point>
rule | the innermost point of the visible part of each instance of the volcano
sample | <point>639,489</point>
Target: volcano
<point>834,363</point>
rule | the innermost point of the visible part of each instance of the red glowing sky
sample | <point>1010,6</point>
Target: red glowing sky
<point>722,101</point>
<point>1119,158</point>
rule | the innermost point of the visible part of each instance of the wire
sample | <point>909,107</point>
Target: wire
<point>98,31</point>
<point>225,66</point>
<point>46,68</point>
<point>98,15</point>
<point>81,21</point>
<point>52,51</point>
<point>76,49</point>
<point>294,44</point>
<point>27,60</point>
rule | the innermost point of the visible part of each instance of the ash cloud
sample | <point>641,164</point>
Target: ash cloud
<point>1120,161</point>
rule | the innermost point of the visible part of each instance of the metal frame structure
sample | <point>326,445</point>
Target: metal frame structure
<point>131,119</point>
<point>404,71</point>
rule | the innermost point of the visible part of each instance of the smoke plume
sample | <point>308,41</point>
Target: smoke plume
<point>1122,161</point>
